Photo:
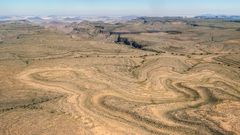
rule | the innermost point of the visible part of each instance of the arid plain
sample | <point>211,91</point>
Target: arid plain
<point>144,76</point>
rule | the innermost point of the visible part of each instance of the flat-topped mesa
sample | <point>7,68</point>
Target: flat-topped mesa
<point>134,32</point>
<point>87,30</point>
<point>147,31</point>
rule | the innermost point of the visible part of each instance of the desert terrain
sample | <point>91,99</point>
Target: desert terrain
<point>166,76</point>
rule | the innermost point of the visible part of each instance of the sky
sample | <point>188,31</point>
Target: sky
<point>120,7</point>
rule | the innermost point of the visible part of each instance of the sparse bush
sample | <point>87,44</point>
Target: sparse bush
<point>52,111</point>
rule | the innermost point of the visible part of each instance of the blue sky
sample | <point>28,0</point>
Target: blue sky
<point>119,7</point>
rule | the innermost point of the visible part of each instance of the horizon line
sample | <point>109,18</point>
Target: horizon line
<point>85,15</point>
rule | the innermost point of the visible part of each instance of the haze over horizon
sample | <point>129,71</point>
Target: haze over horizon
<point>123,7</point>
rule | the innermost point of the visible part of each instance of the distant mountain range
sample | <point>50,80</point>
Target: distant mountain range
<point>39,19</point>
<point>108,19</point>
<point>222,17</point>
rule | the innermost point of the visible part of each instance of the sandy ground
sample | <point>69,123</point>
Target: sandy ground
<point>53,84</point>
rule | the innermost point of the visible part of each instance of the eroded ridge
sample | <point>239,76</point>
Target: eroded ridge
<point>154,98</point>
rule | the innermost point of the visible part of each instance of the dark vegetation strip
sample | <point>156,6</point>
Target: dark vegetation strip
<point>31,105</point>
<point>134,44</point>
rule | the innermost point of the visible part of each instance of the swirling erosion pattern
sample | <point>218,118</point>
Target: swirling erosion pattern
<point>116,90</point>
<point>155,98</point>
